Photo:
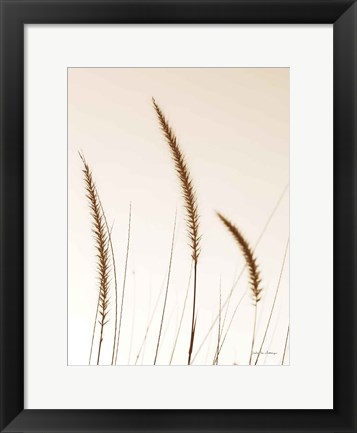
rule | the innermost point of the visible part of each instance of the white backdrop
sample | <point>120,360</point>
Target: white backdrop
<point>307,51</point>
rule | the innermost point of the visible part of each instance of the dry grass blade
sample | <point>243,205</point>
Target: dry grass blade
<point>208,350</point>
<point>101,239</point>
<point>189,196</point>
<point>93,332</point>
<point>274,302</point>
<point>231,321</point>
<point>167,290</point>
<point>132,317</point>
<point>258,241</point>
<point>181,318</point>
<point>254,274</point>
<point>216,355</point>
<point>286,345</point>
<point>124,283</point>
<point>150,323</point>
<point>147,322</point>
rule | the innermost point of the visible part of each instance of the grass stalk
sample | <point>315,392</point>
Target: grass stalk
<point>167,289</point>
<point>190,204</point>
<point>286,345</point>
<point>147,322</point>
<point>150,323</point>
<point>216,355</point>
<point>231,321</point>
<point>124,283</point>
<point>93,332</point>
<point>132,317</point>
<point>266,225</point>
<point>182,315</point>
<point>274,302</point>
<point>253,338</point>
<point>115,275</point>
<point>101,239</point>
<point>251,262</point>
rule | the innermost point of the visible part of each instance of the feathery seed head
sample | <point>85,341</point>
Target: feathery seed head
<point>101,239</point>
<point>188,191</point>
<point>254,273</point>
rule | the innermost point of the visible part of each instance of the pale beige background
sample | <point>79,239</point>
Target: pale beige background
<point>233,126</point>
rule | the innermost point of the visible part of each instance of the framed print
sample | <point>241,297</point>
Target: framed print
<point>178,216</point>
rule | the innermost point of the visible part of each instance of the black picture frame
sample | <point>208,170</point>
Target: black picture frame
<point>14,15</point>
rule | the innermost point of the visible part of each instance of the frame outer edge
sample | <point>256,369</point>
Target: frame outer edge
<point>11,219</point>
<point>345,216</point>
<point>11,216</point>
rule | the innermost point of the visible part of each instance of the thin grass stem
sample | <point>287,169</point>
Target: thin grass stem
<point>133,317</point>
<point>124,283</point>
<point>190,205</point>
<point>216,355</point>
<point>167,289</point>
<point>286,345</point>
<point>253,338</point>
<point>150,323</point>
<point>274,302</point>
<point>182,315</point>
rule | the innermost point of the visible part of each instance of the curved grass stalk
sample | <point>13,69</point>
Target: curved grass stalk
<point>101,238</point>
<point>254,273</point>
<point>190,204</point>
<point>268,221</point>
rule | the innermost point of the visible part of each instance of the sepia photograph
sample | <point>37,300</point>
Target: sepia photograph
<point>178,216</point>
